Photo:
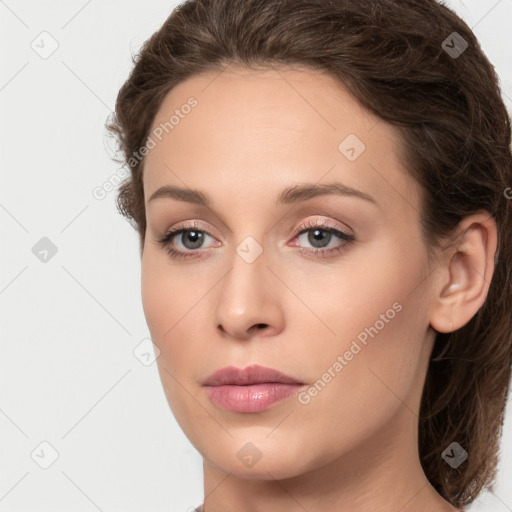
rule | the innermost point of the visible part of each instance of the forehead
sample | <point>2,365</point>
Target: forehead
<point>265,129</point>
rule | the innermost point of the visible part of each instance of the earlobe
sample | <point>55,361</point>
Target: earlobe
<point>464,280</point>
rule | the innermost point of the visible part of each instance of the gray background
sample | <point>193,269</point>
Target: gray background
<point>70,325</point>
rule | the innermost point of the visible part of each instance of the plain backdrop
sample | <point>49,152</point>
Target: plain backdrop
<point>84,424</point>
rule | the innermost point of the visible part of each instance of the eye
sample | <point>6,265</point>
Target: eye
<point>319,235</point>
<point>190,237</point>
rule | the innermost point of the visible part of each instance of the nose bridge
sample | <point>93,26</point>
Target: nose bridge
<point>245,296</point>
<point>244,284</point>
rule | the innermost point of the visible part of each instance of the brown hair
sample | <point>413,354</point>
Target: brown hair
<point>401,60</point>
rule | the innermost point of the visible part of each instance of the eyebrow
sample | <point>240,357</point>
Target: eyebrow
<point>289,195</point>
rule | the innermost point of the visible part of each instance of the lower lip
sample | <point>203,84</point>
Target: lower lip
<point>252,398</point>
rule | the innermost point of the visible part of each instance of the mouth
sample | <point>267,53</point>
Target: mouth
<point>252,389</point>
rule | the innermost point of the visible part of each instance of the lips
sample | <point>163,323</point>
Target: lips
<point>253,374</point>
<point>250,390</point>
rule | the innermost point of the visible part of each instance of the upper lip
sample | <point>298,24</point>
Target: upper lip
<point>254,374</point>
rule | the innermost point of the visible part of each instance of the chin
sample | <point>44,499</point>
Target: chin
<point>257,459</point>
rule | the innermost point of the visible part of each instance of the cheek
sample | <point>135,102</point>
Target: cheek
<point>370,288</point>
<point>156,299</point>
<point>166,295</point>
<point>168,307</point>
<point>371,314</point>
<point>173,303</point>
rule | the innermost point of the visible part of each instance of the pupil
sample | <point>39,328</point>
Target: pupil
<point>196,237</point>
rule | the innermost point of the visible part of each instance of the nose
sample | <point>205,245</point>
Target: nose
<point>248,300</point>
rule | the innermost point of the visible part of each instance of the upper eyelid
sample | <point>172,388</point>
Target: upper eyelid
<point>300,229</point>
<point>304,226</point>
<point>310,224</point>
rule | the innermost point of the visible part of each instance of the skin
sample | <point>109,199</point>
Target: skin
<point>353,447</point>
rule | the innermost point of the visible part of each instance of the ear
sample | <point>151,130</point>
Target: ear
<point>464,276</point>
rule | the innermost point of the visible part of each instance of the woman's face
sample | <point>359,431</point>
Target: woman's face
<point>264,277</point>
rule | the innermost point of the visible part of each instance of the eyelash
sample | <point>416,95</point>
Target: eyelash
<point>308,226</point>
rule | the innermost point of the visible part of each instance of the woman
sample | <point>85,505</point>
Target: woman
<point>322,194</point>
